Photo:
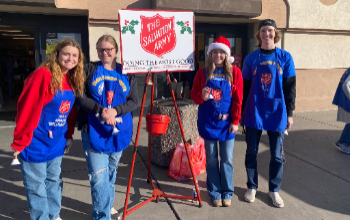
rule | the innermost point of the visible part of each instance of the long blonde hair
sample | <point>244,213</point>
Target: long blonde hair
<point>210,67</point>
<point>75,76</point>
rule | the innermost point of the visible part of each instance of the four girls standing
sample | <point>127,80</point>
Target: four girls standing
<point>105,119</point>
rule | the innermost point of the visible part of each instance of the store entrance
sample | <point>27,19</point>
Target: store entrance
<point>207,33</point>
<point>27,40</point>
<point>17,60</point>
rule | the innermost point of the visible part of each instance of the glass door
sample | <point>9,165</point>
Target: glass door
<point>236,48</point>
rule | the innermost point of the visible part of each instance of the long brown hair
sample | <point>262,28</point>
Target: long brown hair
<point>210,67</point>
<point>75,76</point>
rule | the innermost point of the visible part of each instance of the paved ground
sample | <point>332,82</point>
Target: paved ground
<point>316,181</point>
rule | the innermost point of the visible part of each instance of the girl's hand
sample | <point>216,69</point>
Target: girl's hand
<point>15,154</point>
<point>290,122</point>
<point>109,113</point>
<point>111,121</point>
<point>205,93</point>
<point>233,128</point>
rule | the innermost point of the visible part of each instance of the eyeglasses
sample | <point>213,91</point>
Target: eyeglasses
<point>101,50</point>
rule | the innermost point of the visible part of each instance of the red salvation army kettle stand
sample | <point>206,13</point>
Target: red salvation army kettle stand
<point>156,125</point>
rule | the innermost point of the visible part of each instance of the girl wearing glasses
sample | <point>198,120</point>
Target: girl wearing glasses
<point>105,121</point>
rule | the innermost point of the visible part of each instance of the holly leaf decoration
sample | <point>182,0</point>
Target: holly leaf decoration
<point>183,29</point>
<point>131,29</point>
<point>130,26</point>
<point>189,30</point>
<point>181,23</point>
<point>133,22</point>
<point>125,29</point>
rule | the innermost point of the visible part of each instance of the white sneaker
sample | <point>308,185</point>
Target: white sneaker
<point>113,211</point>
<point>249,196</point>
<point>114,214</point>
<point>276,199</point>
<point>58,218</point>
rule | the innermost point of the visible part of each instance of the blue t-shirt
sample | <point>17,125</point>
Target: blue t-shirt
<point>265,108</point>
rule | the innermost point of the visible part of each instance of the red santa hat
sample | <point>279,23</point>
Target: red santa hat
<point>223,44</point>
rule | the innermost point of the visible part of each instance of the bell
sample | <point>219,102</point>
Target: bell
<point>15,161</point>
<point>115,130</point>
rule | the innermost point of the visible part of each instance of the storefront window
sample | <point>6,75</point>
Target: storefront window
<point>53,38</point>
<point>210,40</point>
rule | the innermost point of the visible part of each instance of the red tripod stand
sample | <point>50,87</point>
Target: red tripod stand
<point>156,192</point>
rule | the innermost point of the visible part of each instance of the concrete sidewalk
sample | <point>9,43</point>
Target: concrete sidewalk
<point>316,181</point>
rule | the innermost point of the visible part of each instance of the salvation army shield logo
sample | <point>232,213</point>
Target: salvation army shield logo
<point>158,34</point>
<point>266,78</point>
<point>110,95</point>
<point>217,94</point>
<point>65,106</point>
<point>266,81</point>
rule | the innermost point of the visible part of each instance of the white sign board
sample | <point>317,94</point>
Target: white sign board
<point>156,41</point>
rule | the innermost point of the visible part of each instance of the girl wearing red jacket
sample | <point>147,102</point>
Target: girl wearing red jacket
<point>45,121</point>
<point>218,90</point>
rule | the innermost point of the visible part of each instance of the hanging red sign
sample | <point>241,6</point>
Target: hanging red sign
<point>157,34</point>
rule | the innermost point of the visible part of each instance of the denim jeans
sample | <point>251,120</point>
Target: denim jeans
<point>345,135</point>
<point>102,174</point>
<point>43,185</point>
<point>276,165</point>
<point>219,179</point>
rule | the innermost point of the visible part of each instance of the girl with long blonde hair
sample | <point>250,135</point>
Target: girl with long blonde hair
<point>45,125</point>
<point>218,89</point>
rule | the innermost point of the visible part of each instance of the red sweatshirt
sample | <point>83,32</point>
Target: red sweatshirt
<point>35,95</point>
<point>236,92</point>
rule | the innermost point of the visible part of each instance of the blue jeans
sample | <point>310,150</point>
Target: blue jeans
<point>219,179</point>
<point>102,174</point>
<point>43,185</point>
<point>345,135</point>
<point>276,165</point>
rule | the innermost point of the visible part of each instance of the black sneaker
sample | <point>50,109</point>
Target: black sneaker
<point>343,147</point>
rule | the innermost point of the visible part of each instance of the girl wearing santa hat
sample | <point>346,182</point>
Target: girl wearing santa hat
<point>218,90</point>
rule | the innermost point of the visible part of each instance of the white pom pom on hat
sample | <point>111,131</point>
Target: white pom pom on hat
<point>223,44</point>
<point>231,59</point>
